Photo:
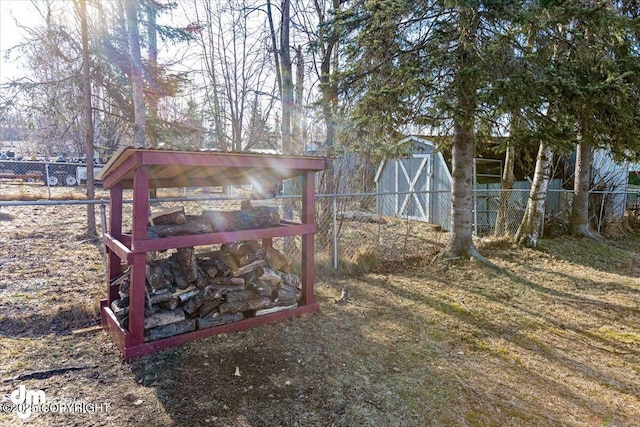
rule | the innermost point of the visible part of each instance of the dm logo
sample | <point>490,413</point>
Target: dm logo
<point>26,399</point>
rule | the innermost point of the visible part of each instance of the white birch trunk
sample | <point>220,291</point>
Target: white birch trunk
<point>530,229</point>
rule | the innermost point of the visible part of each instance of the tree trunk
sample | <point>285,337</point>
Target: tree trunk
<point>329,93</point>
<point>461,241</point>
<point>154,94</point>
<point>137,82</point>
<point>508,179</point>
<point>296,129</point>
<point>530,228</point>
<point>287,77</point>
<point>461,244</point>
<point>88,121</point>
<point>579,224</point>
<point>152,30</point>
<point>276,56</point>
<point>211,69</point>
<point>287,104</point>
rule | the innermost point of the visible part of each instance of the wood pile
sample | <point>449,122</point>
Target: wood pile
<point>188,290</point>
<point>174,222</point>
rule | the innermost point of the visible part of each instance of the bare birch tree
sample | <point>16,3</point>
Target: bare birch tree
<point>88,118</point>
<point>531,227</point>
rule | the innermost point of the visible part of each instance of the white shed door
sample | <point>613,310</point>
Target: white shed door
<point>413,180</point>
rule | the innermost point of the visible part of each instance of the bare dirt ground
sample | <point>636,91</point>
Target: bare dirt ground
<point>555,340</point>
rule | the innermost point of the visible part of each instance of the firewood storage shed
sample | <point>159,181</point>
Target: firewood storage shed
<point>141,169</point>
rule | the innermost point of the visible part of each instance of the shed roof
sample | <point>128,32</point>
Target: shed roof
<point>419,144</point>
<point>174,168</point>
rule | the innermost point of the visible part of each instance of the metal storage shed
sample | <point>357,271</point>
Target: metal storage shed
<point>416,187</point>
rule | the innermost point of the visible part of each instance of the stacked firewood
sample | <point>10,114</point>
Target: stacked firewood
<point>174,222</point>
<point>188,290</point>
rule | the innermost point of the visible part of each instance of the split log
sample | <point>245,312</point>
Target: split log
<point>286,293</point>
<point>121,303</point>
<point>205,308</point>
<point>170,330</point>
<point>261,288</point>
<point>218,291</point>
<point>221,261</point>
<point>218,319</point>
<point>237,249</point>
<point>283,303</point>
<point>152,256</point>
<point>187,262</point>
<point>288,305</point>
<point>206,295</point>
<point>203,280</point>
<point>168,275</point>
<point>172,304</point>
<point>168,216</point>
<point>164,318</point>
<point>208,307</point>
<point>123,282</point>
<point>231,297</point>
<point>186,296</point>
<point>120,310</point>
<point>236,281</point>
<point>149,308</point>
<point>193,303</point>
<point>292,280</point>
<point>267,215</point>
<point>228,260</point>
<point>249,268</point>
<point>155,276</point>
<point>244,253</point>
<point>179,279</point>
<point>270,276</point>
<point>162,296</point>
<point>276,260</point>
<point>177,293</point>
<point>179,229</point>
<point>246,305</point>
<point>211,271</point>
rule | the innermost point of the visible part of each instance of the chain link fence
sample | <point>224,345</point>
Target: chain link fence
<point>499,212</point>
<point>355,231</point>
<point>60,173</point>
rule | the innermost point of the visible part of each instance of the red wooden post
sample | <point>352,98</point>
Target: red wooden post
<point>138,233</point>
<point>308,217</point>
<point>140,205</point>
<point>115,229</point>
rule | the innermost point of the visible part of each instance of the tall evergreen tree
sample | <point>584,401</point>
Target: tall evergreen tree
<point>430,63</point>
<point>577,86</point>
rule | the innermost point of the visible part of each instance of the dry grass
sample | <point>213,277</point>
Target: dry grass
<point>23,191</point>
<point>553,341</point>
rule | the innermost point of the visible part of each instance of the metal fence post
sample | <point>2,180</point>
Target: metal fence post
<point>103,218</point>
<point>46,169</point>
<point>601,211</point>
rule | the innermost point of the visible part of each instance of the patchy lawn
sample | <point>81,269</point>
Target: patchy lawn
<point>555,340</point>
